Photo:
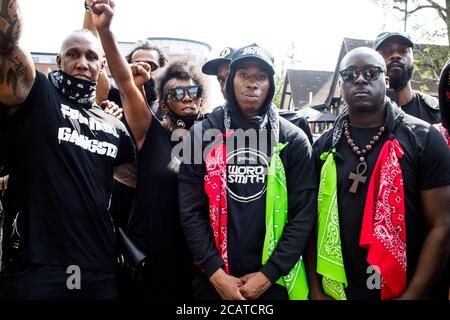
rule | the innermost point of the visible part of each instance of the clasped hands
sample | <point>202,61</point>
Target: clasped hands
<point>248,287</point>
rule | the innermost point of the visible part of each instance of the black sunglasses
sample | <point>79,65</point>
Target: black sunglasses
<point>178,93</point>
<point>369,73</point>
<point>153,65</point>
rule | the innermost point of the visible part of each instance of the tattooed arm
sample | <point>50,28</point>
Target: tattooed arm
<point>17,71</point>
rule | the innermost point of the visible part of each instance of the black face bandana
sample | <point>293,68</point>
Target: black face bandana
<point>77,90</point>
<point>185,122</point>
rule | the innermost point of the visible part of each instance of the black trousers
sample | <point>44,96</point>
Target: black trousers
<point>46,282</point>
<point>157,284</point>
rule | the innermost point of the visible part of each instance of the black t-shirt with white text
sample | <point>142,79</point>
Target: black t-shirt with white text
<point>61,158</point>
<point>247,169</point>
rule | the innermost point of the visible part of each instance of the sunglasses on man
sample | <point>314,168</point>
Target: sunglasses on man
<point>152,64</point>
<point>369,73</point>
<point>178,93</point>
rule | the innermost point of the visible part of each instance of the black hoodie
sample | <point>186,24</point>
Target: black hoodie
<point>246,218</point>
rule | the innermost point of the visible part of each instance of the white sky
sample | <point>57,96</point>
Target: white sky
<point>317,27</point>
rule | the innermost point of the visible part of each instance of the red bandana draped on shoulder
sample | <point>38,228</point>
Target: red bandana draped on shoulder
<point>216,189</point>
<point>444,132</point>
<point>383,230</point>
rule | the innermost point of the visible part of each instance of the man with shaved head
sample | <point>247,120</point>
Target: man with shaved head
<point>62,150</point>
<point>384,195</point>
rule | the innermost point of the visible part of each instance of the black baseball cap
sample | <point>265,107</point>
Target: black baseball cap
<point>211,66</point>
<point>384,36</point>
<point>254,52</point>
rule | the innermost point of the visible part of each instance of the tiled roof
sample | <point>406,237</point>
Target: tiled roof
<point>302,82</point>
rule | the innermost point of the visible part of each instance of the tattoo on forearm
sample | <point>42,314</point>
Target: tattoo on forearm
<point>10,25</point>
<point>18,72</point>
<point>14,72</point>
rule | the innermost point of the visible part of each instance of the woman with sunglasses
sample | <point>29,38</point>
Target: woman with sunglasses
<point>181,98</point>
<point>154,225</point>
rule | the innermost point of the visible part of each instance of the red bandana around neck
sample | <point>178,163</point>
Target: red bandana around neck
<point>216,189</point>
<point>383,231</point>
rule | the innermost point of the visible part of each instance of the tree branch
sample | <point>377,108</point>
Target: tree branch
<point>435,5</point>
<point>442,11</point>
<point>420,8</point>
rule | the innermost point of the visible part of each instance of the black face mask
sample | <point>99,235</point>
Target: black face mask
<point>185,122</point>
<point>77,90</point>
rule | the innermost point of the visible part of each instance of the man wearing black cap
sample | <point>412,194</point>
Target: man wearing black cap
<point>397,51</point>
<point>246,207</point>
<point>219,67</point>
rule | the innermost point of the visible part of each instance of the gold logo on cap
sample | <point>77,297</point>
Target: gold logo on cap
<point>225,52</point>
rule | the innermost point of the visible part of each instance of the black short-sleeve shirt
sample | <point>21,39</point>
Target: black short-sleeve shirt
<point>419,107</point>
<point>61,158</point>
<point>425,165</point>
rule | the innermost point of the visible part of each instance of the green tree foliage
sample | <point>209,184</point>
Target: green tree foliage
<point>410,7</point>
<point>429,59</point>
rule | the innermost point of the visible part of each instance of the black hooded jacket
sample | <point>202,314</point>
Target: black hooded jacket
<point>236,113</point>
<point>246,221</point>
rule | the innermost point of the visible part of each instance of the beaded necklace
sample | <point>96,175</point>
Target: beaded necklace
<point>361,153</point>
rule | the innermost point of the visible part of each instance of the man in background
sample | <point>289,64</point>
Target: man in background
<point>397,50</point>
